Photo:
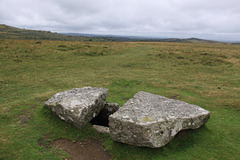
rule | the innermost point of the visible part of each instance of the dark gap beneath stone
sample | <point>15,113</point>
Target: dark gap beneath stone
<point>102,118</point>
<point>99,120</point>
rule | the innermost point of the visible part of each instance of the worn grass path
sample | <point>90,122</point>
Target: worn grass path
<point>207,75</point>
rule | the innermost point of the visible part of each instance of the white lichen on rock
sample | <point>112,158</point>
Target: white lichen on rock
<point>152,121</point>
<point>79,105</point>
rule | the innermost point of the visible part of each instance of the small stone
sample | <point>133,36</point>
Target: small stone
<point>101,129</point>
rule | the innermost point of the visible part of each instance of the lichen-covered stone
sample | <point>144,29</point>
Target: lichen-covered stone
<point>152,121</point>
<point>79,105</point>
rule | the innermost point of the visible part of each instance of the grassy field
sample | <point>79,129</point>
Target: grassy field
<point>207,75</point>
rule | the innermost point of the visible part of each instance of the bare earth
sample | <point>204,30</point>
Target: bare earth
<point>85,150</point>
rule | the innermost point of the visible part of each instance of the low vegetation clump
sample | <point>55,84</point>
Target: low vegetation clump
<point>32,71</point>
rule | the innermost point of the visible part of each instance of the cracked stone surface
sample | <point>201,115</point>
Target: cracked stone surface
<point>79,105</point>
<point>150,120</point>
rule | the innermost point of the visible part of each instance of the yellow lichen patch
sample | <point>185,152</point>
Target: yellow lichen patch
<point>53,104</point>
<point>76,111</point>
<point>148,119</point>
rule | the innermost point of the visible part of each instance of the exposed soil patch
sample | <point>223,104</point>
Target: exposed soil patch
<point>27,114</point>
<point>43,142</point>
<point>85,150</point>
<point>25,117</point>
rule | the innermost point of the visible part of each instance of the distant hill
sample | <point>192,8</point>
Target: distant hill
<point>192,40</point>
<point>9,32</point>
<point>141,38</point>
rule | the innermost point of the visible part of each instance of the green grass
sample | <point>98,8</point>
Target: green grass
<point>207,75</point>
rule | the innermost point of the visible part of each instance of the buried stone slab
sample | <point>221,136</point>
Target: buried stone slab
<point>79,105</point>
<point>101,129</point>
<point>150,120</point>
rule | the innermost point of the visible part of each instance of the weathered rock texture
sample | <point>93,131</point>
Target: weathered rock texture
<point>152,121</point>
<point>78,106</point>
<point>101,129</point>
<point>102,117</point>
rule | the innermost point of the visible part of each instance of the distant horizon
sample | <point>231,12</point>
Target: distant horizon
<point>139,34</point>
<point>224,37</point>
<point>149,35</point>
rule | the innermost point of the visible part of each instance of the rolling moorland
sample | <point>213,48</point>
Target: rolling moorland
<point>31,71</point>
<point>9,32</point>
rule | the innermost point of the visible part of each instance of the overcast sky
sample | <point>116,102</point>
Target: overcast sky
<point>210,19</point>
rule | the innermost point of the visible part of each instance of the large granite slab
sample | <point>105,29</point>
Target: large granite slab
<point>152,121</point>
<point>79,105</point>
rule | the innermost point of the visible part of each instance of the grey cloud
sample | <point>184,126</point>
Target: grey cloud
<point>185,17</point>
